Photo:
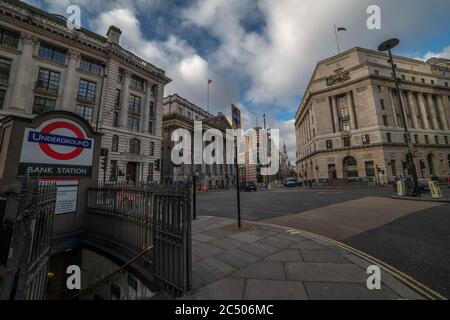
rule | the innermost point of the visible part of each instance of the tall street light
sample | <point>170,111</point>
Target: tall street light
<point>388,46</point>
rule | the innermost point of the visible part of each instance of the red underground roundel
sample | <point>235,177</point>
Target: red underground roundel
<point>48,150</point>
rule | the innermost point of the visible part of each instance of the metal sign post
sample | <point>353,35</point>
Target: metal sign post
<point>236,122</point>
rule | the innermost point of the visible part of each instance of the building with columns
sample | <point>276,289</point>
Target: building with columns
<point>179,113</point>
<point>44,66</point>
<point>349,124</point>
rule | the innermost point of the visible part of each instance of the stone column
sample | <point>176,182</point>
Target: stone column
<point>423,111</point>
<point>441,109</point>
<point>123,114</point>
<point>335,114</point>
<point>433,114</point>
<point>394,108</point>
<point>148,97</point>
<point>351,111</point>
<point>24,84</point>
<point>70,83</point>
<point>412,108</point>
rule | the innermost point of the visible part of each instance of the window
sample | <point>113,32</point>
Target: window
<point>377,73</point>
<point>189,115</point>
<point>137,84</point>
<point>379,89</point>
<point>385,121</point>
<point>180,110</point>
<point>150,172</point>
<point>121,74</point>
<point>133,123</point>
<point>152,149</point>
<point>366,139</point>
<point>416,138</point>
<point>85,112</point>
<point>446,84</point>
<point>135,146</point>
<point>2,98</point>
<point>347,142</point>
<point>90,66</point>
<point>152,109</point>
<point>113,173</point>
<point>389,137</point>
<point>432,81</point>
<point>118,99</point>
<point>41,105</point>
<point>436,139</point>
<point>49,52</point>
<point>87,91</point>
<point>115,143</point>
<point>445,138</point>
<point>116,119</point>
<point>405,137</point>
<point>345,125</point>
<point>329,144</point>
<point>150,127</point>
<point>423,80</point>
<point>427,139</point>
<point>350,167</point>
<point>134,104</point>
<point>9,39</point>
<point>154,90</point>
<point>48,80</point>
<point>5,67</point>
<point>383,107</point>
<point>413,79</point>
<point>403,77</point>
<point>370,169</point>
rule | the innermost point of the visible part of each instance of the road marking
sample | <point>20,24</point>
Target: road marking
<point>399,275</point>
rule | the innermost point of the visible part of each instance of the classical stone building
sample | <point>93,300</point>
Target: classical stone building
<point>180,113</point>
<point>44,65</point>
<point>349,124</point>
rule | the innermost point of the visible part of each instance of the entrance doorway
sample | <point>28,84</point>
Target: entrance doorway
<point>350,168</point>
<point>132,172</point>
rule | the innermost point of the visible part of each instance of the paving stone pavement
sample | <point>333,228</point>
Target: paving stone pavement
<point>265,262</point>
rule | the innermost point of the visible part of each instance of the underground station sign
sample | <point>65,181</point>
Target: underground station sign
<point>57,148</point>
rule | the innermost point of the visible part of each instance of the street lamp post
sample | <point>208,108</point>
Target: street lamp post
<point>388,46</point>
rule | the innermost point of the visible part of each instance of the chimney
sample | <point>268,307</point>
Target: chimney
<point>114,34</point>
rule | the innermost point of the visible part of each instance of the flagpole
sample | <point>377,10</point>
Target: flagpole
<point>337,40</point>
<point>209,82</point>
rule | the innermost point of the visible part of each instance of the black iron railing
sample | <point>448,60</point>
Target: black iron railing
<point>129,219</point>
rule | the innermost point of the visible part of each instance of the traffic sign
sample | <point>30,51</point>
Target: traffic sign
<point>236,117</point>
<point>58,147</point>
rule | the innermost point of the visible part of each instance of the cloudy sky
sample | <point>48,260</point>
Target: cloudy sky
<point>259,53</point>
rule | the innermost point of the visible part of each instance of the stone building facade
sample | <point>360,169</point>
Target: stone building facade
<point>44,65</point>
<point>349,124</point>
<point>180,113</point>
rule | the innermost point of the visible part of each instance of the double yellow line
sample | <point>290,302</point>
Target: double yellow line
<point>402,277</point>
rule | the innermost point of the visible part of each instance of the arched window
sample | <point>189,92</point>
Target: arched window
<point>135,146</point>
<point>350,167</point>
<point>115,143</point>
<point>152,149</point>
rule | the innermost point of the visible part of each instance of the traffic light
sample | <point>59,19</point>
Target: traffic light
<point>104,155</point>
<point>157,165</point>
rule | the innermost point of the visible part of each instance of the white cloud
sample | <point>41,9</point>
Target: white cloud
<point>273,62</point>
<point>443,54</point>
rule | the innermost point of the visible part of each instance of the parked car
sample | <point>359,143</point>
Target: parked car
<point>249,186</point>
<point>290,183</point>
